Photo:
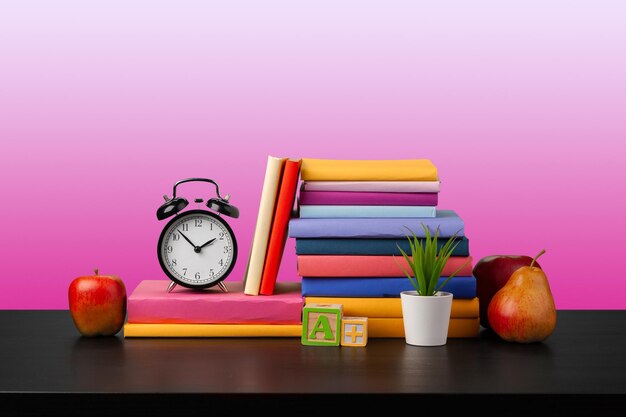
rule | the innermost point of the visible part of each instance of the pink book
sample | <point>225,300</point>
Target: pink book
<point>374,186</point>
<point>369,266</point>
<point>150,303</point>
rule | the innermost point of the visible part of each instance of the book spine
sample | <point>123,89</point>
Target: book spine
<point>377,328</point>
<point>367,198</point>
<point>391,307</point>
<point>368,170</point>
<point>327,211</point>
<point>394,328</point>
<point>447,222</point>
<point>348,246</point>
<point>374,186</point>
<point>460,287</point>
<point>279,311</point>
<point>371,266</point>
<point>211,330</point>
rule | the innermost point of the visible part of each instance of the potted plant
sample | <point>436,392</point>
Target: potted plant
<point>426,310</point>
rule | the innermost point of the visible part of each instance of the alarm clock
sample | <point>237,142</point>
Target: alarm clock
<point>197,248</point>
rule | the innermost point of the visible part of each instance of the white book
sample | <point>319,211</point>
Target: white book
<point>254,271</point>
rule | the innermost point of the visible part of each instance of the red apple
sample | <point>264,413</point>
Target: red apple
<point>523,310</point>
<point>492,273</point>
<point>98,304</point>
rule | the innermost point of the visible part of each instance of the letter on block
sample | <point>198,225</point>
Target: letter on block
<point>354,331</point>
<point>321,324</point>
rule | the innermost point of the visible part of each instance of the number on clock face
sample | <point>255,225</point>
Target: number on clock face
<point>197,249</point>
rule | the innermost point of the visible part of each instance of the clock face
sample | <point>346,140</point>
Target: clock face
<point>197,249</point>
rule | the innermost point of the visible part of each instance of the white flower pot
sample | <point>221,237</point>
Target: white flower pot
<point>426,319</point>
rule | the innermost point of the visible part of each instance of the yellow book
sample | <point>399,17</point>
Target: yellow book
<point>394,327</point>
<point>212,330</point>
<point>368,170</point>
<point>377,328</point>
<point>391,307</point>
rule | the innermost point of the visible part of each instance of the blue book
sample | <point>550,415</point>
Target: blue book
<point>447,221</point>
<point>322,211</point>
<point>460,287</point>
<point>349,246</point>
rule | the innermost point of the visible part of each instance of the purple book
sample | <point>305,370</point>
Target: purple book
<point>447,221</point>
<point>346,198</point>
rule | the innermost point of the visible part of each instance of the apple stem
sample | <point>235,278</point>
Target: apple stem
<point>95,271</point>
<point>537,257</point>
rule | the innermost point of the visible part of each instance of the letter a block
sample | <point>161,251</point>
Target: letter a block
<point>321,324</point>
<point>354,331</point>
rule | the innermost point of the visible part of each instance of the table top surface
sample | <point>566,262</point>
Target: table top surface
<point>43,352</point>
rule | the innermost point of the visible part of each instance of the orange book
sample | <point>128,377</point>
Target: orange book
<point>391,307</point>
<point>394,327</point>
<point>278,233</point>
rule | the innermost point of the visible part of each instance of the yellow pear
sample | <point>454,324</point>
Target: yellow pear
<point>523,310</point>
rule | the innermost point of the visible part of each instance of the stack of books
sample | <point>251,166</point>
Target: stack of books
<point>354,217</point>
<point>152,312</point>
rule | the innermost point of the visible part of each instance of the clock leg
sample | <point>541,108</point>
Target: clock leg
<point>222,286</point>
<point>171,286</point>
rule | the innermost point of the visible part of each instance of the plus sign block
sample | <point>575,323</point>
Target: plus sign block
<point>354,331</point>
<point>321,324</point>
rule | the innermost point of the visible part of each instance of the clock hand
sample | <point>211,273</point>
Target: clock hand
<point>208,243</point>
<point>186,238</point>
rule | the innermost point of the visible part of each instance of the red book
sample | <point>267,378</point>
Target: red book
<point>278,233</point>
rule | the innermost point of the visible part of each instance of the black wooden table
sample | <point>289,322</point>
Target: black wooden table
<point>47,368</point>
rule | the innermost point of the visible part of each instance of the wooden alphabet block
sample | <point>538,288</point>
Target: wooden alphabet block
<point>354,331</point>
<point>321,324</point>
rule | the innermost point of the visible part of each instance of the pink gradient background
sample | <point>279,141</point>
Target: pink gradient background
<point>521,105</point>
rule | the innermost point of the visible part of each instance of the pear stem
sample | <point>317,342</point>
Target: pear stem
<point>95,271</point>
<point>537,257</point>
